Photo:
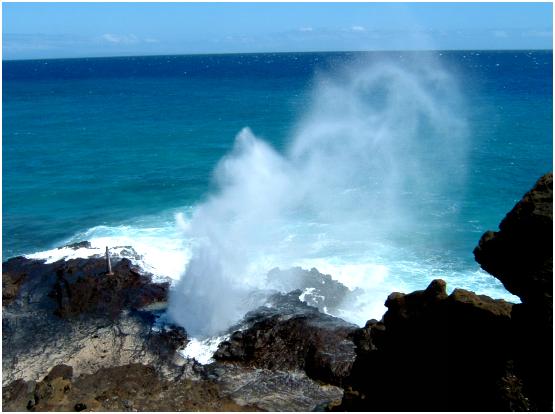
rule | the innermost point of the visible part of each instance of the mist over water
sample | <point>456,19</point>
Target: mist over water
<point>372,175</point>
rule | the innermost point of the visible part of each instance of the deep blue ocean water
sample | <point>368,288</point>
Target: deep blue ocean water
<point>119,145</point>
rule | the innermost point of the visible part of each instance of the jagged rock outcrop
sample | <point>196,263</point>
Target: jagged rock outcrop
<point>73,313</point>
<point>465,352</point>
<point>520,255</point>
<point>434,352</point>
<point>79,286</point>
<point>318,290</point>
<point>77,339</point>
<point>293,336</point>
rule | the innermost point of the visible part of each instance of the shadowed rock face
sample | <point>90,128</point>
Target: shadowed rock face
<point>433,351</point>
<point>520,254</point>
<point>466,352</point>
<point>11,283</point>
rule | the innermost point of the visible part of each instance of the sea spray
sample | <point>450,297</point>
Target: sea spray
<point>378,158</point>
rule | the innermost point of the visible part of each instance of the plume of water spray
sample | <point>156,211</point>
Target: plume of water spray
<point>372,159</point>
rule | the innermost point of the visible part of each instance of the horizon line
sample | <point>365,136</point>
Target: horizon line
<point>279,52</point>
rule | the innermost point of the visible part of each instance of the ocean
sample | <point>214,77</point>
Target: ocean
<point>122,152</point>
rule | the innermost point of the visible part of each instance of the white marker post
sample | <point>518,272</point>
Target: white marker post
<point>110,273</point>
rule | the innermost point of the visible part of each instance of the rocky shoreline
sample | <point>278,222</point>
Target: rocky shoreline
<point>77,339</point>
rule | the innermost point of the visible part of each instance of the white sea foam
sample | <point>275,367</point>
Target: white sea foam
<point>161,251</point>
<point>202,350</point>
<point>377,280</point>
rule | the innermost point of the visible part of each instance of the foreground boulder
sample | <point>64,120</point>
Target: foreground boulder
<point>520,255</point>
<point>465,352</point>
<point>435,352</point>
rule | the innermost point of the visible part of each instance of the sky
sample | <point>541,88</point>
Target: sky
<point>57,30</point>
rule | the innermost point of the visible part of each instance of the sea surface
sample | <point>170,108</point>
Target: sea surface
<point>118,150</point>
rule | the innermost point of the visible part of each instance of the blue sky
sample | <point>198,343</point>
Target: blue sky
<point>48,30</point>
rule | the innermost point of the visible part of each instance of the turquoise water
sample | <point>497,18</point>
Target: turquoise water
<point>115,147</point>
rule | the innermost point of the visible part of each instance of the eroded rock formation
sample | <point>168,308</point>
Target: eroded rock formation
<point>520,254</point>
<point>75,338</point>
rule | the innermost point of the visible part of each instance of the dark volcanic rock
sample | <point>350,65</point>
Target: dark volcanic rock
<point>94,336</point>
<point>74,337</point>
<point>520,254</point>
<point>318,289</point>
<point>99,324</point>
<point>79,245</point>
<point>455,346</point>
<point>18,396</point>
<point>466,352</point>
<point>82,286</point>
<point>80,407</point>
<point>60,371</point>
<point>168,340</point>
<point>11,281</point>
<point>293,336</point>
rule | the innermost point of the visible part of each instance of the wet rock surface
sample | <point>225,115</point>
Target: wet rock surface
<point>317,289</point>
<point>11,283</point>
<point>290,335</point>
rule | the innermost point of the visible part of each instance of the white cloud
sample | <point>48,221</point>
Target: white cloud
<point>537,33</point>
<point>120,39</point>
<point>500,33</point>
<point>358,29</point>
<point>306,29</point>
